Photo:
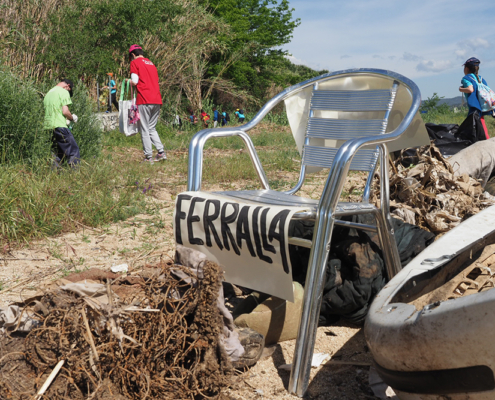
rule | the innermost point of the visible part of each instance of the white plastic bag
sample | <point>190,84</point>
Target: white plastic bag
<point>124,105</point>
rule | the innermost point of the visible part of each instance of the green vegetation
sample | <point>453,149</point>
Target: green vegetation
<point>431,105</point>
<point>21,120</point>
<point>253,59</point>
<point>37,201</point>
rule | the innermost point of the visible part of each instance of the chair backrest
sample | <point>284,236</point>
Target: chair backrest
<point>329,110</point>
<point>336,115</point>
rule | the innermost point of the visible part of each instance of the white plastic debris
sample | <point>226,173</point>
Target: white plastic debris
<point>259,392</point>
<point>120,268</point>
<point>318,359</point>
<point>285,367</point>
<point>380,389</point>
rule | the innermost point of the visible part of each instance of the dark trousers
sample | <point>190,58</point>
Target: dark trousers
<point>114,102</point>
<point>64,147</point>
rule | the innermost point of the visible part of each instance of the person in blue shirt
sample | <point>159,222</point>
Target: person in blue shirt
<point>225,118</point>
<point>192,118</point>
<point>112,85</point>
<point>216,117</point>
<point>469,86</point>
<point>240,114</point>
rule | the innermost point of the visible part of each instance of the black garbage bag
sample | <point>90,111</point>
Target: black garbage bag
<point>355,269</point>
<point>471,128</point>
<point>448,138</point>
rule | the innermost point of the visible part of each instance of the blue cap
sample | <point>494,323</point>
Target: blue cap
<point>472,61</point>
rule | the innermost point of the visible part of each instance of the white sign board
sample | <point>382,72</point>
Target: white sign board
<point>248,240</point>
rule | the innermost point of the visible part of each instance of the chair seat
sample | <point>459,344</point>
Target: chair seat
<point>275,198</point>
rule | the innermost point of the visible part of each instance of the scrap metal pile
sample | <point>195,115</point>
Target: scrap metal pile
<point>161,343</point>
<point>429,194</point>
<point>475,278</point>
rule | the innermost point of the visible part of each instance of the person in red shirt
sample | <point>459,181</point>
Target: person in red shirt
<point>149,101</point>
<point>205,118</point>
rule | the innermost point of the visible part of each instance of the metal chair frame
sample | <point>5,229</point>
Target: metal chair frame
<point>328,208</point>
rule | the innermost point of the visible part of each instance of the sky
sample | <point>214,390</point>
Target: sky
<point>426,41</point>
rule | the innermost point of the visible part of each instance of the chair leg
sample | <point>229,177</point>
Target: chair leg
<point>388,244</point>
<point>384,221</point>
<point>313,291</point>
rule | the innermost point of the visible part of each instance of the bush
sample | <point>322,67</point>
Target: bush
<point>21,120</point>
<point>87,132</point>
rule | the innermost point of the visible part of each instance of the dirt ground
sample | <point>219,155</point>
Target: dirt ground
<point>147,239</point>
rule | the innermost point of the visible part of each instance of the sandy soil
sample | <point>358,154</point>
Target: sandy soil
<point>343,376</point>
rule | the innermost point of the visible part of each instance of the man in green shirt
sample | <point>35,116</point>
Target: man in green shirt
<point>57,115</point>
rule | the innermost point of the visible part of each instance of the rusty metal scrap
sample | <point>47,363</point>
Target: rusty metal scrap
<point>475,278</point>
<point>431,196</point>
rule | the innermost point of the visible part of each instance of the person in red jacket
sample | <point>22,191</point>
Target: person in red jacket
<point>149,101</point>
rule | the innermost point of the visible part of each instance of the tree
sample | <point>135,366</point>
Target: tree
<point>431,104</point>
<point>259,28</point>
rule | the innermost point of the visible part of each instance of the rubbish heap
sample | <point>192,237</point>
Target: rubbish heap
<point>431,196</point>
<point>159,341</point>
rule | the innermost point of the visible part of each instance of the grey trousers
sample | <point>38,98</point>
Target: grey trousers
<point>147,128</point>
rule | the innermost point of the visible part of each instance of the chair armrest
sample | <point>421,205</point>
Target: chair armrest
<point>196,146</point>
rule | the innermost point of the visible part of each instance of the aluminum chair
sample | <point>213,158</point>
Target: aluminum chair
<point>360,143</point>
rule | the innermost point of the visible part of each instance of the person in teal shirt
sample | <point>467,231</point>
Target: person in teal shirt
<point>225,118</point>
<point>112,85</point>
<point>57,117</point>
<point>240,114</point>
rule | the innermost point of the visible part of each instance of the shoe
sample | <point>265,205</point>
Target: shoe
<point>161,156</point>
<point>148,160</point>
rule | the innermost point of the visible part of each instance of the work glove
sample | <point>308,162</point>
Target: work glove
<point>74,118</point>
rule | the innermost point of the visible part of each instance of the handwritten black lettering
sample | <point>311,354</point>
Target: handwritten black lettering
<point>267,246</point>
<point>208,223</point>
<point>242,231</point>
<point>230,226</point>
<point>179,214</point>
<point>257,237</point>
<point>280,219</point>
<point>225,220</point>
<point>191,217</point>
